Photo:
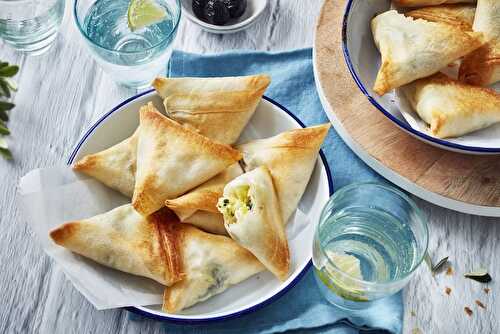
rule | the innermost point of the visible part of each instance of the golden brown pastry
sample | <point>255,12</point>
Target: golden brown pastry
<point>115,166</point>
<point>412,49</point>
<point>459,15</point>
<point>290,157</point>
<point>212,263</point>
<point>482,67</point>
<point>171,159</point>
<point>218,108</point>
<point>252,217</point>
<point>453,108</point>
<point>199,206</point>
<point>420,3</point>
<point>123,239</point>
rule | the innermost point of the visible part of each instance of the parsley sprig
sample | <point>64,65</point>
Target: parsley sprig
<point>7,86</point>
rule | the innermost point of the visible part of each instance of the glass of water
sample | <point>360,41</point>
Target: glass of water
<point>131,58</point>
<point>30,25</point>
<point>368,243</point>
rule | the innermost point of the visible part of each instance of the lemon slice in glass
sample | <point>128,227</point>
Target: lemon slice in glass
<point>143,13</point>
<point>342,285</point>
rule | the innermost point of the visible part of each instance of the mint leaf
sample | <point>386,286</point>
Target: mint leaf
<point>9,71</point>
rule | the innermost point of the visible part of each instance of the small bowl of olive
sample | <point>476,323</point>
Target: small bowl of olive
<point>223,16</point>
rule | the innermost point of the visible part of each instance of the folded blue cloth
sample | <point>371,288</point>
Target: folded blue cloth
<point>302,309</point>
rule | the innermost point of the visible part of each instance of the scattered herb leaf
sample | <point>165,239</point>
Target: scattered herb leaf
<point>4,105</point>
<point>9,70</point>
<point>4,149</point>
<point>440,265</point>
<point>480,275</point>
<point>447,290</point>
<point>5,91</point>
<point>468,311</point>
<point>3,129</point>
<point>481,305</point>
<point>3,115</point>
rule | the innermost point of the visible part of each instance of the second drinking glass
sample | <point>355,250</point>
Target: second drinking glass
<point>131,58</point>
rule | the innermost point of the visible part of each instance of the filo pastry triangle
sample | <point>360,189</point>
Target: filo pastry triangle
<point>211,263</point>
<point>420,3</point>
<point>123,239</point>
<point>199,206</point>
<point>115,166</point>
<point>482,67</point>
<point>452,108</point>
<point>171,159</point>
<point>218,108</point>
<point>252,216</point>
<point>290,157</point>
<point>413,49</point>
<point>459,15</point>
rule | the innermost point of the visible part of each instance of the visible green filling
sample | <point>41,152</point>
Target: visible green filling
<point>236,205</point>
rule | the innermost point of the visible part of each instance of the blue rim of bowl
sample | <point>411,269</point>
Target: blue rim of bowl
<point>84,34</point>
<point>251,309</point>
<point>400,123</point>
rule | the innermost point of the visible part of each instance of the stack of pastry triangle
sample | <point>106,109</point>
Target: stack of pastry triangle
<point>123,239</point>
<point>419,3</point>
<point>196,265</point>
<point>413,49</point>
<point>115,166</point>
<point>453,108</point>
<point>171,159</point>
<point>482,67</point>
<point>208,105</point>
<point>290,157</point>
<point>199,206</point>
<point>458,15</point>
<point>252,217</point>
<point>211,263</point>
<point>236,100</point>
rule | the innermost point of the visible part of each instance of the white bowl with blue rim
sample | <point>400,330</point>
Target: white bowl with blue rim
<point>254,9</point>
<point>363,60</point>
<point>269,119</point>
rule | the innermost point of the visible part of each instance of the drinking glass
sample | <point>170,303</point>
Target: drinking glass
<point>368,243</point>
<point>131,58</point>
<point>30,25</point>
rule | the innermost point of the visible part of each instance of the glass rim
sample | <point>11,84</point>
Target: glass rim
<point>77,21</point>
<point>412,204</point>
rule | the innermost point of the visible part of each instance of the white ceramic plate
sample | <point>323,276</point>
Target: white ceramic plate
<point>252,12</point>
<point>363,60</point>
<point>270,119</point>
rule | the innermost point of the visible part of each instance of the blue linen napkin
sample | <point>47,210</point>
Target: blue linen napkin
<point>301,309</point>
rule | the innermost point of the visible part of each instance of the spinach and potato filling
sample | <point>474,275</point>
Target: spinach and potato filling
<point>236,205</point>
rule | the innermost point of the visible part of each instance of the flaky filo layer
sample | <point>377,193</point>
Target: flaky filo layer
<point>124,240</point>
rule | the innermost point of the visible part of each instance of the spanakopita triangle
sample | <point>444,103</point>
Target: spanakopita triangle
<point>420,3</point>
<point>482,67</point>
<point>212,263</point>
<point>413,49</point>
<point>290,157</point>
<point>115,166</point>
<point>171,159</point>
<point>458,15</point>
<point>123,239</point>
<point>252,216</point>
<point>452,108</point>
<point>218,108</point>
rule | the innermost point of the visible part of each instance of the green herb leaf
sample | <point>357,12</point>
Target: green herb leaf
<point>6,105</point>
<point>11,84</point>
<point>9,71</point>
<point>480,275</point>
<point>3,129</point>
<point>3,64</point>
<point>4,149</point>
<point>4,88</point>
<point>440,265</point>
<point>4,116</point>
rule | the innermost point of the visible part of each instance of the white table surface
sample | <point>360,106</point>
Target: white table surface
<point>63,91</point>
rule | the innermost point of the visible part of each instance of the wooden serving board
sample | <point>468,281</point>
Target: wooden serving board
<point>466,183</point>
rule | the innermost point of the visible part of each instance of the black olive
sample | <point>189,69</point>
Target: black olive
<point>236,7</point>
<point>198,8</point>
<point>216,12</point>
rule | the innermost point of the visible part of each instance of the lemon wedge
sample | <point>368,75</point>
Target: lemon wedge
<point>143,13</point>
